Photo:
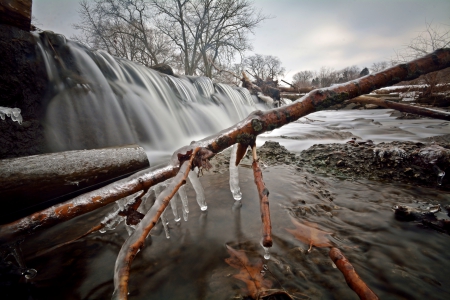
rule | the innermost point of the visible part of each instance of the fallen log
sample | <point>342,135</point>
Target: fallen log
<point>351,277</point>
<point>32,183</point>
<point>295,90</point>
<point>403,107</point>
<point>243,132</point>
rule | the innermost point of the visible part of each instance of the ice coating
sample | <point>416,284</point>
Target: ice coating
<point>165,224</point>
<point>13,113</point>
<point>200,195</point>
<point>142,230</point>
<point>234,175</point>
<point>173,205</point>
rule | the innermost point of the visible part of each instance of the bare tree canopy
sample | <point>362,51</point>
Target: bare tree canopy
<point>200,35</point>
<point>264,66</point>
<point>434,36</point>
<point>123,29</point>
<point>379,66</point>
<point>207,31</point>
<point>303,78</point>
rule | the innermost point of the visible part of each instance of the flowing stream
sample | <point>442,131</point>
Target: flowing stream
<point>121,102</point>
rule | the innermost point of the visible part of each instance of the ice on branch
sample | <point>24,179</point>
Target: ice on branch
<point>13,113</point>
<point>200,194</point>
<point>234,175</point>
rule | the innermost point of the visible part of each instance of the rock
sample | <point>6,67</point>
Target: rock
<point>163,68</point>
<point>371,106</point>
<point>23,84</point>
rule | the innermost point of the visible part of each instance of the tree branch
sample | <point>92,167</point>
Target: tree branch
<point>403,107</point>
<point>256,123</point>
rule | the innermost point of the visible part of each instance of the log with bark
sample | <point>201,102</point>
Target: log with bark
<point>32,183</point>
<point>402,107</point>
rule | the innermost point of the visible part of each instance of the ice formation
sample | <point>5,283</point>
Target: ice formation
<point>13,113</point>
<point>193,177</point>
<point>234,175</point>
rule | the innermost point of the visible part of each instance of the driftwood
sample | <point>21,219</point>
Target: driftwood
<point>16,13</point>
<point>242,132</point>
<point>263,193</point>
<point>403,107</point>
<point>351,277</point>
<point>32,183</point>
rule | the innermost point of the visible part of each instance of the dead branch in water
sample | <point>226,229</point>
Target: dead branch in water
<point>263,193</point>
<point>256,123</point>
<point>135,242</point>
<point>403,107</point>
<point>352,278</point>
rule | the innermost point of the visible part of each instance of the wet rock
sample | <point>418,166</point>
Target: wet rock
<point>23,84</point>
<point>163,68</point>
<point>427,214</point>
<point>414,163</point>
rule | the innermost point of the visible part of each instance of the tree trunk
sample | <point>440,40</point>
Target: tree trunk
<point>32,183</point>
<point>403,107</point>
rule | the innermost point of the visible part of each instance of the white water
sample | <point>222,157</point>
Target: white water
<point>101,101</point>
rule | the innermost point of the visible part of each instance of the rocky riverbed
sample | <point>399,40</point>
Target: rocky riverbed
<point>418,163</point>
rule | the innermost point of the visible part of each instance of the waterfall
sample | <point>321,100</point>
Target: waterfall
<point>97,100</point>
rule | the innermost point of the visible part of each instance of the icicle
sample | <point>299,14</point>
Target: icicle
<point>13,113</point>
<point>440,174</point>
<point>193,177</point>
<point>173,205</point>
<point>184,201</point>
<point>266,252</point>
<point>130,229</point>
<point>17,253</point>
<point>111,221</point>
<point>165,224</point>
<point>234,175</point>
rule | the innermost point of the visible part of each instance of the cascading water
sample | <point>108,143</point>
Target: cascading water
<point>99,101</point>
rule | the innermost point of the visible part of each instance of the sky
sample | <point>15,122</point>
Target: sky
<point>309,34</point>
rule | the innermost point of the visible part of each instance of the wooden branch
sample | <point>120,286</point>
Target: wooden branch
<point>288,83</point>
<point>135,242</point>
<point>263,193</point>
<point>403,107</point>
<point>85,203</point>
<point>32,183</point>
<point>256,123</point>
<point>351,277</point>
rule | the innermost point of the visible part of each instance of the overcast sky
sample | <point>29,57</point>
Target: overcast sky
<point>309,34</point>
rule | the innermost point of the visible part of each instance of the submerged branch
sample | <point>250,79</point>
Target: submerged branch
<point>243,132</point>
<point>263,193</point>
<point>351,277</point>
<point>403,107</point>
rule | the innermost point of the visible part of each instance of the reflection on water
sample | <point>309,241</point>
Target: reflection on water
<point>398,260</point>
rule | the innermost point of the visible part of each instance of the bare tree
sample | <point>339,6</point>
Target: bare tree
<point>303,78</point>
<point>123,29</point>
<point>379,66</point>
<point>264,66</point>
<point>326,77</point>
<point>349,73</point>
<point>207,31</point>
<point>432,38</point>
